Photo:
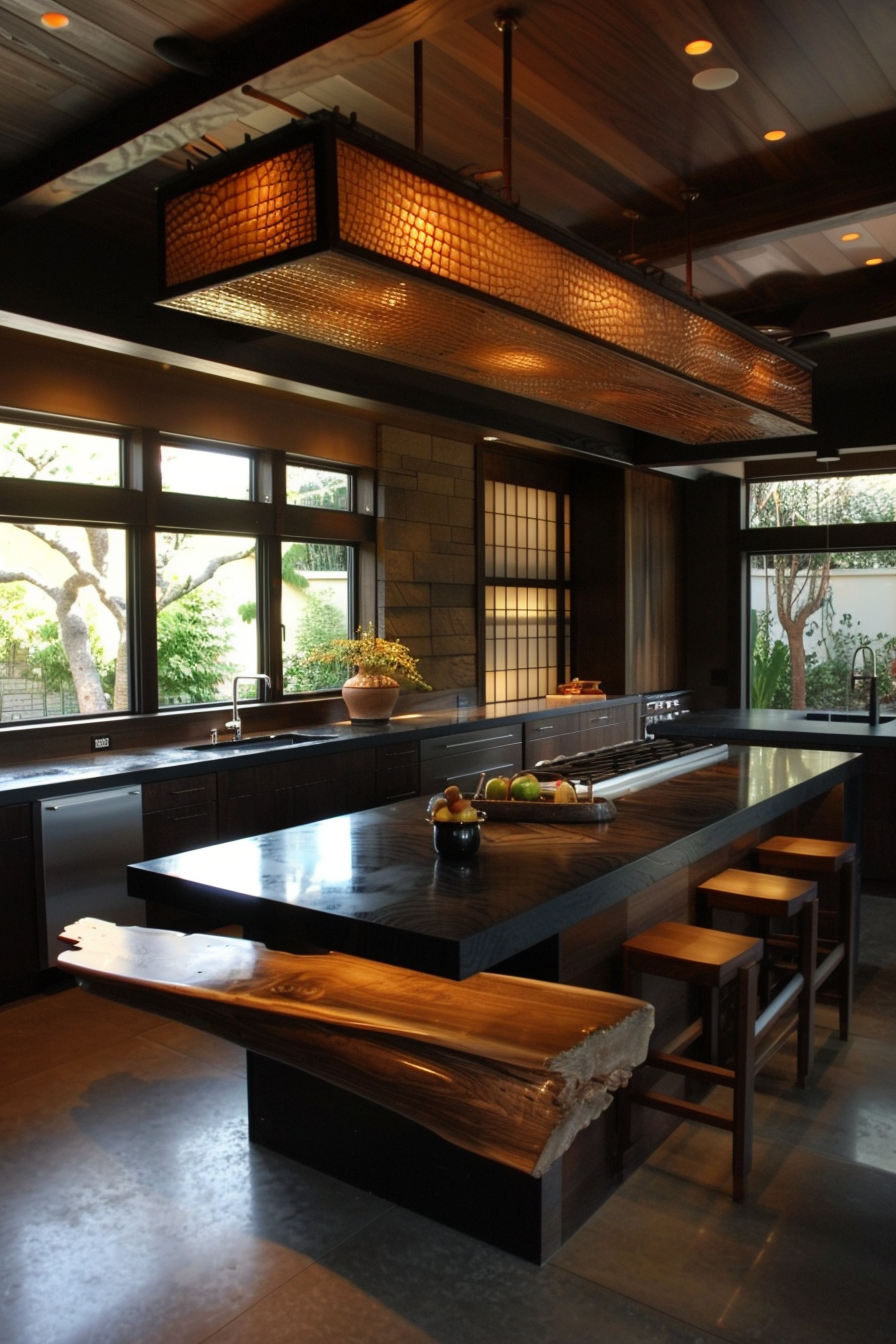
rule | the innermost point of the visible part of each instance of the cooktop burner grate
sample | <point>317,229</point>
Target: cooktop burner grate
<point>631,765</point>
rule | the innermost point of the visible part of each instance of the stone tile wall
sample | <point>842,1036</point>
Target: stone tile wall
<point>426,555</point>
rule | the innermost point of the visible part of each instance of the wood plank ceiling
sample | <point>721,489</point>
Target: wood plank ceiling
<point>609,132</point>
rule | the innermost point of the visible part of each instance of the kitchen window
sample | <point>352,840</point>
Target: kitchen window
<point>823,585</point>
<point>138,573</point>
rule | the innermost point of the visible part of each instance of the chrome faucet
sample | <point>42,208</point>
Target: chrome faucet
<point>856,677</point>
<point>235,721</point>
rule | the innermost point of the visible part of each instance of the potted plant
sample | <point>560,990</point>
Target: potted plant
<point>382,665</point>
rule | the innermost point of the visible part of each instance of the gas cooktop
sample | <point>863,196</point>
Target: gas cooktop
<point>612,771</point>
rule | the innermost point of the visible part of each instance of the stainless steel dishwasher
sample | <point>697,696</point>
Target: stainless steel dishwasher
<point>87,841</point>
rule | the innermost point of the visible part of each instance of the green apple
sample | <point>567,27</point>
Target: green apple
<point>498,789</point>
<point>525,788</point>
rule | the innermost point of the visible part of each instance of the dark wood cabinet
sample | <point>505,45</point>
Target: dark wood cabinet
<point>544,739</point>
<point>179,814</point>
<point>397,772</point>
<point>600,725</point>
<point>607,725</point>
<point>878,833</point>
<point>261,798</point>
<point>460,758</point>
<point>19,942</point>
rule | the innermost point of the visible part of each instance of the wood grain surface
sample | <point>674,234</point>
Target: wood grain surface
<point>507,1068</point>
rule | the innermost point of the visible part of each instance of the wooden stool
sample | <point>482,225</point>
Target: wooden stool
<point>709,959</point>
<point>771,897</point>
<point>817,858</point>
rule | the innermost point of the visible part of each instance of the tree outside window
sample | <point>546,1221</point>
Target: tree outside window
<point>811,610</point>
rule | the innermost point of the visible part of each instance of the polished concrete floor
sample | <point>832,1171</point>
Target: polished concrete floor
<point>133,1210</point>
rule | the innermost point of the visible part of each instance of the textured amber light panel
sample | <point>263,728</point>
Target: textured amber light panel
<point>390,211</point>
<point>352,304</point>
<point>260,212</point>
<point>450,286</point>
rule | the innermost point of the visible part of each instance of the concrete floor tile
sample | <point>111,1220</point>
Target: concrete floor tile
<point>406,1280</point>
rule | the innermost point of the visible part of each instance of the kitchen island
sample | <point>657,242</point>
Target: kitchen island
<point>549,901</point>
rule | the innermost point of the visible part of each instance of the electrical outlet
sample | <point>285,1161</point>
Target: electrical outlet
<point>102,743</point>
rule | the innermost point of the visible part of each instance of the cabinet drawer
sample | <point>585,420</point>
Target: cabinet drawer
<point>397,772</point>
<point>442,748</point>
<point>179,792</point>
<point>461,758</point>
<point>607,726</point>
<point>546,738</point>
<point>173,830</point>
<point>15,821</point>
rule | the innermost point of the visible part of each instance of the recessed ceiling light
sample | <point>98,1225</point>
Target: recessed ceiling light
<point>774,135</point>
<point>720,77</point>
<point>849,237</point>
<point>54,20</point>
<point>874,261</point>
<point>698,48</point>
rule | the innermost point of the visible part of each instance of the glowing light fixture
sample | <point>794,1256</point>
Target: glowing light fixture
<point>774,135</point>
<point>327,233</point>
<point>53,20</point>
<point>874,261</point>
<point>698,48</point>
<point>719,77</point>
<point>849,237</point>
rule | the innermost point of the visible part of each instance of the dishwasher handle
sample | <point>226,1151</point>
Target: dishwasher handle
<point>76,802</point>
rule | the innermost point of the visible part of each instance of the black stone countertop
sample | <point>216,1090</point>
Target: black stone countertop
<point>110,769</point>
<point>372,885</point>
<point>784,726</point>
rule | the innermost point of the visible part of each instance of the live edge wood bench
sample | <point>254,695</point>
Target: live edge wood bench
<point>507,1068</point>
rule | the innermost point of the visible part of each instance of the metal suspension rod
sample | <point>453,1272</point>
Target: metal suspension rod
<point>418,96</point>
<point>689,196</point>
<point>506,21</point>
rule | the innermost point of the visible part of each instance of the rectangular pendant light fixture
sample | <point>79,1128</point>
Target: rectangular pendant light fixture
<point>325,232</point>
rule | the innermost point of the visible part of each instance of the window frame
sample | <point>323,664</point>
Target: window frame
<point>804,539</point>
<point>142,508</point>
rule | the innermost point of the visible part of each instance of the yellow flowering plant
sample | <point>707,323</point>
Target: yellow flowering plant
<point>379,661</point>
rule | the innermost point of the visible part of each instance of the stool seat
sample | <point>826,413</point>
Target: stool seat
<point>823,859</point>
<point>773,897</point>
<point>802,854</point>
<point>709,959</point>
<point>758,893</point>
<point>687,952</point>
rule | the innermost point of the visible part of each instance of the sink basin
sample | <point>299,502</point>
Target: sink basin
<point>259,743</point>
<point>840,716</point>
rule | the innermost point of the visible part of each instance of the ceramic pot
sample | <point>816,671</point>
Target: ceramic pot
<point>456,840</point>
<point>370,699</point>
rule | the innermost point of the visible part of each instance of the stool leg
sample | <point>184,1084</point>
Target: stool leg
<point>623,1095</point>
<point>709,1011</point>
<point>744,1077</point>
<point>847,937</point>
<point>805,1038</point>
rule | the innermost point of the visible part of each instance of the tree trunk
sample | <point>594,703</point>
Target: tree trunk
<point>76,642</point>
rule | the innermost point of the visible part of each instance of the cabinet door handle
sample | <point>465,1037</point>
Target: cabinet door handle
<point>196,788</point>
<point>479,742</point>
<point>548,728</point>
<point>468,774</point>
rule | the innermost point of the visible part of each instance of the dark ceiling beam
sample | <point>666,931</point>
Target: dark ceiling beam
<point>110,143</point>
<point>775,212</point>
<point>814,303</point>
